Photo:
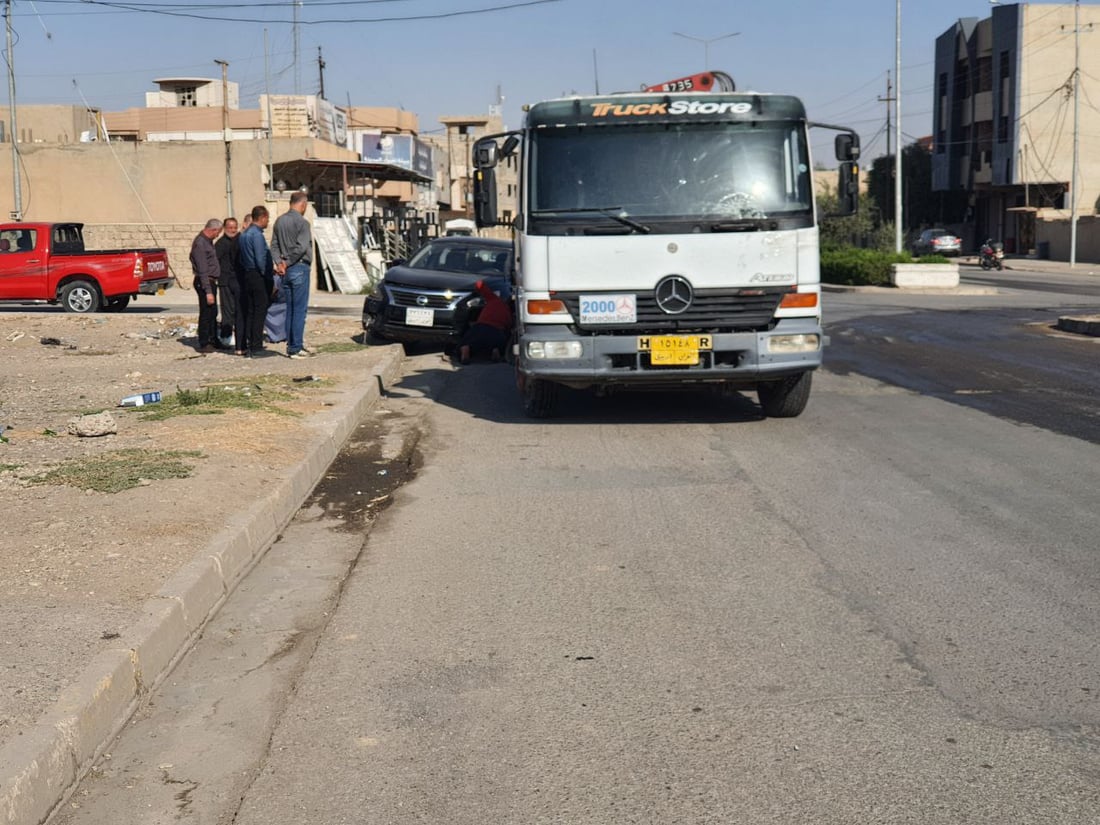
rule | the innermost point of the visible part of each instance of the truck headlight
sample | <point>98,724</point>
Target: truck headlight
<point>788,344</point>
<point>554,350</point>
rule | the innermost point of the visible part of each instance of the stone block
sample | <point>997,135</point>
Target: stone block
<point>924,276</point>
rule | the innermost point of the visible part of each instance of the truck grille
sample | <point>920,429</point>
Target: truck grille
<point>711,310</point>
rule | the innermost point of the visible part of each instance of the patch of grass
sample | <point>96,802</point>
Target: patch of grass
<point>9,468</point>
<point>119,470</point>
<point>339,346</point>
<point>255,393</point>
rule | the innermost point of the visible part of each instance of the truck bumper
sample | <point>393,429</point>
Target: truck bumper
<point>154,287</point>
<point>740,359</point>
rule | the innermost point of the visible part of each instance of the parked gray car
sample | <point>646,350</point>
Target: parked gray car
<point>937,242</point>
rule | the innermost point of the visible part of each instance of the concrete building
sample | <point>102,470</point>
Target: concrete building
<point>462,132</point>
<point>51,124</point>
<point>192,92</point>
<point>1003,125</point>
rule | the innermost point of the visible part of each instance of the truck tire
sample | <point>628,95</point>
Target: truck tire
<point>540,398</point>
<point>80,296</point>
<point>786,398</point>
<point>117,304</point>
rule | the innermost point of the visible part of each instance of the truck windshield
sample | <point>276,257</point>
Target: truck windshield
<point>719,172</point>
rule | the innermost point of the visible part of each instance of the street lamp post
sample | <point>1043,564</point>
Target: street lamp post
<point>898,216</point>
<point>706,41</point>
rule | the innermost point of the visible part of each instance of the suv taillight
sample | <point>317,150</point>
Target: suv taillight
<point>139,267</point>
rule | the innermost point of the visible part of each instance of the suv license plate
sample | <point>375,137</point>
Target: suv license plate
<point>674,350</point>
<point>415,317</point>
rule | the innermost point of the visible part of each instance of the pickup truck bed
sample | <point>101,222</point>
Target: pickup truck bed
<point>47,263</point>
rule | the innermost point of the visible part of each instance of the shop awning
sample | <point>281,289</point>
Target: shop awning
<point>320,175</point>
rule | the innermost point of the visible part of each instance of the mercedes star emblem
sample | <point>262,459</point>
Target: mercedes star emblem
<point>674,295</point>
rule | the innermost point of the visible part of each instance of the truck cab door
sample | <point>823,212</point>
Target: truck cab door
<point>23,256</point>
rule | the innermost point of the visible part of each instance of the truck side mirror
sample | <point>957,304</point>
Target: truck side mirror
<point>485,196</point>
<point>847,146</point>
<point>486,154</point>
<point>509,146</point>
<point>847,189</point>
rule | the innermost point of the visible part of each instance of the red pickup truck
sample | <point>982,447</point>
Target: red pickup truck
<point>47,262</point>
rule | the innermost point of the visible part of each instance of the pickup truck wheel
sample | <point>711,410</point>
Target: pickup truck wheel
<point>117,304</point>
<point>786,398</point>
<point>540,398</point>
<point>80,296</point>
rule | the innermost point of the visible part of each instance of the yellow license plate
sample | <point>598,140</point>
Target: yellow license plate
<point>674,350</point>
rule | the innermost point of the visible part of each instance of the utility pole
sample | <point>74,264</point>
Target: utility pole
<point>887,100</point>
<point>1074,182</point>
<point>321,69</point>
<point>297,49</point>
<point>16,177</point>
<point>270,123</point>
<point>227,136</point>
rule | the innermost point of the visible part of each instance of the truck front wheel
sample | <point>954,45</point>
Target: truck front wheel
<point>786,398</point>
<point>80,296</point>
<point>540,398</point>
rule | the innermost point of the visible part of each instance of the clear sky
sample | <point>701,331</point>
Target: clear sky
<point>834,54</point>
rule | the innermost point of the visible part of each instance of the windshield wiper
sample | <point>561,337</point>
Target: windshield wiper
<point>744,225</point>
<point>606,211</point>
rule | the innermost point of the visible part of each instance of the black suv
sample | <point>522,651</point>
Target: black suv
<point>431,297</point>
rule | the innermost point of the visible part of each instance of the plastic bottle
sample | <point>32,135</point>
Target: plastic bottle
<point>140,400</point>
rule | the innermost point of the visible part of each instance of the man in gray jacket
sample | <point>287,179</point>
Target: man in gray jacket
<point>292,251</point>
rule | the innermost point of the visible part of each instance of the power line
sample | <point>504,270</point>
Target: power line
<point>343,21</point>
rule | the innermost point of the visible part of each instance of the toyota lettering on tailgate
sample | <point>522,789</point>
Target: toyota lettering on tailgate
<point>156,266</point>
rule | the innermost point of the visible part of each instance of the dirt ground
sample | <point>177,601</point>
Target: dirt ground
<point>76,564</point>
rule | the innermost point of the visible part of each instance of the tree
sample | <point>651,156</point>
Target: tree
<point>921,206</point>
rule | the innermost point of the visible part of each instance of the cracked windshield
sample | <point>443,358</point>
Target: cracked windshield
<point>729,171</point>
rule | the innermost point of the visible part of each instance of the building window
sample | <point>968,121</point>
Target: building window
<point>1002,129</point>
<point>941,142</point>
<point>187,96</point>
<point>985,74</point>
<point>943,85</point>
<point>1004,65</point>
<point>962,80</point>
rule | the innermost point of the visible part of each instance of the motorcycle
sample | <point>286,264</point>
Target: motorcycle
<point>992,254</point>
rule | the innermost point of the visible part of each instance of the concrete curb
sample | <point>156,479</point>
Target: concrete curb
<point>893,290</point>
<point>40,769</point>
<point>1080,324</point>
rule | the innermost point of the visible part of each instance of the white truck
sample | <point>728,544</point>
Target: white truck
<point>666,240</point>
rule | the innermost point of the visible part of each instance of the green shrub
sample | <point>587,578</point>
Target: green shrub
<point>853,266</point>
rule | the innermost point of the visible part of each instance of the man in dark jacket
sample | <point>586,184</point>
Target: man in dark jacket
<point>258,282</point>
<point>229,282</point>
<point>204,266</point>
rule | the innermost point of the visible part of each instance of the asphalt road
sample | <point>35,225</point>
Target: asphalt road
<point>666,609</point>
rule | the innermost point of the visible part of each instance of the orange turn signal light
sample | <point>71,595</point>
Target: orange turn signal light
<point>545,307</point>
<point>799,300</point>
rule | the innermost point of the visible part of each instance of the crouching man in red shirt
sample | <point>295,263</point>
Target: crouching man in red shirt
<point>491,331</point>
